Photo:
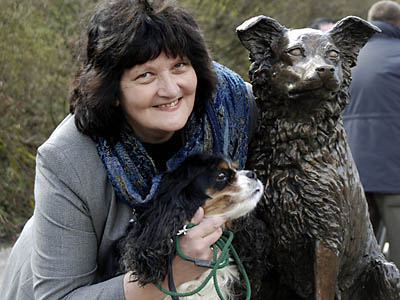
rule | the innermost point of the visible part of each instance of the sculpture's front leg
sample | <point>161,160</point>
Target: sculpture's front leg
<point>326,266</point>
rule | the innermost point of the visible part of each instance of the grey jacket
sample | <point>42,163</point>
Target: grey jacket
<point>76,208</point>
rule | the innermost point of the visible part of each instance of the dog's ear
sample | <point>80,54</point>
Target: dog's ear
<point>258,35</point>
<point>351,34</point>
<point>151,241</point>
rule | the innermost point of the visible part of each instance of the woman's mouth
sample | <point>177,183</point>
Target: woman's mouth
<point>169,105</point>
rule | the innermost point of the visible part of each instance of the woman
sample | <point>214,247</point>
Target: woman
<point>146,96</point>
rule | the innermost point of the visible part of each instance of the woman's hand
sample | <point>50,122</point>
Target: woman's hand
<point>196,243</point>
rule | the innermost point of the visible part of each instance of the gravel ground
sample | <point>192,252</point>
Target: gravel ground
<point>4,252</point>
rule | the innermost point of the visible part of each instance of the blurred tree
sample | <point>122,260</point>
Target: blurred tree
<point>36,38</point>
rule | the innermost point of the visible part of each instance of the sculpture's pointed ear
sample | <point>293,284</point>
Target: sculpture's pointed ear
<point>351,34</point>
<point>258,34</point>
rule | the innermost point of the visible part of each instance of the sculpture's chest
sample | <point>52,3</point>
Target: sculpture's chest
<point>305,192</point>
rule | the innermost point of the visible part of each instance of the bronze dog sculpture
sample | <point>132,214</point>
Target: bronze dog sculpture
<point>320,243</point>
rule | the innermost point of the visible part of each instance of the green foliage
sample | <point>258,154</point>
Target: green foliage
<point>36,64</point>
<point>37,42</point>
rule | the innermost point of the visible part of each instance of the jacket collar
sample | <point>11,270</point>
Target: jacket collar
<point>388,29</point>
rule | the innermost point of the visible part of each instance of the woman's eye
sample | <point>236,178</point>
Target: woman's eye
<point>180,65</point>
<point>295,52</point>
<point>144,75</point>
<point>221,177</point>
<point>333,54</point>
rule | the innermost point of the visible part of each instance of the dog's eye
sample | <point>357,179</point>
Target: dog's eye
<point>295,51</point>
<point>221,176</point>
<point>333,54</point>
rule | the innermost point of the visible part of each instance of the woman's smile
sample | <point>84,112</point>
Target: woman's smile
<point>170,105</point>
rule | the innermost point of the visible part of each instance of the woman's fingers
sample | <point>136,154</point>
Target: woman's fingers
<point>211,238</point>
<point>198,240</point>
<point>206,227</point>
<point>198,216</point>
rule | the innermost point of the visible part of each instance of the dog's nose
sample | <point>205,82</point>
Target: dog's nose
<point>325,70</point>
<point>251,175</point>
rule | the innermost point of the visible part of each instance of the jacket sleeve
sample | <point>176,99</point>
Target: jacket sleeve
<point>65,254</point>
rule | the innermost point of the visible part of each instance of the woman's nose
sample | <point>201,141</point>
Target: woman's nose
<point>168,86</point>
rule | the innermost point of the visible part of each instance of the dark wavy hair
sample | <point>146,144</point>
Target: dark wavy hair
<point>125,33</point>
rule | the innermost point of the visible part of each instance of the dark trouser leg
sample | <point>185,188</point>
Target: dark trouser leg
<point>389,209</point>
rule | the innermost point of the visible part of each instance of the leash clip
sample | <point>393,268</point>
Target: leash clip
<point>203,263</point>
<point>183,231</point>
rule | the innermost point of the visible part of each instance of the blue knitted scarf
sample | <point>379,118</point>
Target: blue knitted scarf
<point>223,129</point>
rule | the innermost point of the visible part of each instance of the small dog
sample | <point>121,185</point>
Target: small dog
<point>314,209</point>
<point>202,180</point>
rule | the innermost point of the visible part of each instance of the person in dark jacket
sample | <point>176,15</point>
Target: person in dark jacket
<point>372,119</point>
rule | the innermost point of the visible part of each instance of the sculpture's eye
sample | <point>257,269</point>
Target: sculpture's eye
<point>295,51</point>
<point>332,54</point>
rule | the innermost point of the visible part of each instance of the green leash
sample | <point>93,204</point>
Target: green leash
<point>225,245</point>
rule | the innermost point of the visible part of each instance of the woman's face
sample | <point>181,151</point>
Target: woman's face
<point>157,97</point>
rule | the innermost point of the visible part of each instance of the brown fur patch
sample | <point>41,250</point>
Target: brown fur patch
<point>224,165</point>
<point>217,205</point>
<point>220,201</point>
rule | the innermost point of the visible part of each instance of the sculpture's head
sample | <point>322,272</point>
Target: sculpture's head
<point>304,66</point>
